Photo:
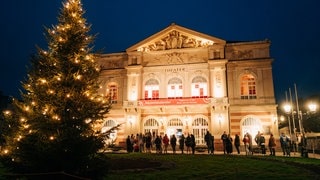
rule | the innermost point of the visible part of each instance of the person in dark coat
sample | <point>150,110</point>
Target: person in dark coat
<point>229,144</point>
<point>237,143</point>
<point>129,145</point>
<point>208,138</point>
<point>193,143</point>
<point>188,143</point>
<point>148,142</point>
<point>181,143</point>
<point>173,143</point>
<point>158,143</point>
<point>262,144</point>
<point>272,145</point>
<point>224,137</point>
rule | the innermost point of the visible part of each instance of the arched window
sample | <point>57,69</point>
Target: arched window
<point>200,128</point>
<point>151,125</point>
<point>113,135</point>
<point>248,87</point>
<point>151,89</point>
<point>175,89</point>
<point>199,87</point>
<point>112,92</point>
<point>251,125</point>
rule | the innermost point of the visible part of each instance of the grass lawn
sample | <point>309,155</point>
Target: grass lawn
<point>202,166</point>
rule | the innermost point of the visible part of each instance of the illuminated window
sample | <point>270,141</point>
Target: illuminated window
<point>200,128</point>
<point>248,87</point>
<point>151,125</point>
<point>175,122</point>
<point>175,88</point>
<point>199,87</point>
<point>112,92</point>
<point>151,89</point>
<point>113,135</point>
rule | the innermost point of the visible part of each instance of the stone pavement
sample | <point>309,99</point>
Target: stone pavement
<point>278,153</point>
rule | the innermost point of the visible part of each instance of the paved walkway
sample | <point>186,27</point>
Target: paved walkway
<point>278,153</point>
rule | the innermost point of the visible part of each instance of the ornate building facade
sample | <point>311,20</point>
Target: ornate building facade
<point>180,81</point>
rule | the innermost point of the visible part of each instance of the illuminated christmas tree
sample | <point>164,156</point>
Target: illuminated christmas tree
<point>61,102</point>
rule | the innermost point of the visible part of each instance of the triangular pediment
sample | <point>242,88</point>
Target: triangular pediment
<point>175,37</point>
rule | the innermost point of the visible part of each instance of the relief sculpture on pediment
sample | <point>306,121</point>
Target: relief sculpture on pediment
<point>175,40</point>
<point>175,57</point>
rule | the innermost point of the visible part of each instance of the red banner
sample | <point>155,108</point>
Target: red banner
<point>183,101</point>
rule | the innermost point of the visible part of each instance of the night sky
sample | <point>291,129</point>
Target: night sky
<point>293,27</point>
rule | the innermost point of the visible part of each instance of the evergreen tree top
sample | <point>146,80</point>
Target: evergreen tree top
<point>62,88</point>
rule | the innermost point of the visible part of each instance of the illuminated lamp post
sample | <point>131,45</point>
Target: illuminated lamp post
<point>312,108</point>
<point>287,109</point>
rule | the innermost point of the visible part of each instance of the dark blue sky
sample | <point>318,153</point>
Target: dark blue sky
<point>292,26</point>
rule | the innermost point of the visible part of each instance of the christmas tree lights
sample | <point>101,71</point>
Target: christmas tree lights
<point>61,103</point>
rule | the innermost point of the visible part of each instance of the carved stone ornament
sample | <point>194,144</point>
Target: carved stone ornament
<point>176,40</point>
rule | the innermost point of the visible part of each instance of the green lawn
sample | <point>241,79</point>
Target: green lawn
<point>202,166</point>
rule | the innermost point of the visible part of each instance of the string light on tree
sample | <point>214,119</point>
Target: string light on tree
<point>61,94</point>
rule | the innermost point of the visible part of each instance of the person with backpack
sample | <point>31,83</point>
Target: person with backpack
<point>285,144</point>
<point>262,144</point>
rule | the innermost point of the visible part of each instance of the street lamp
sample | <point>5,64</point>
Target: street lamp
<point>288,109</point>
<point>312,107</point>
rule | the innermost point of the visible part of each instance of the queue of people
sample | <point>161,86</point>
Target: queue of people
<point>145,143</point>
<point>247,144</point>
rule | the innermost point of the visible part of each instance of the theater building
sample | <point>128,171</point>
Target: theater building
<point>181,81</point>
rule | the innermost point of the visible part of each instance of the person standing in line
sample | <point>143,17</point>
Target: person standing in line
<point>158,142</point>
<point>148,142</point>
<point>272,145</point>
<point>237,143</point>
<point>229,144</point>
<point>224,137</point>
<point>188,143</point>
<point>304,151</point>
<point>129,145</point>
<point>294,141</point>
<point>212,148</point>
<point>246,143</point>
<point>285,144</point>
<point>142,140</point>
<point>173,142</point>
<point>257,138</point>
<point>250,143</point>
<point>209,141</point>
<point>165,141</point>
<point>181,143</point>
<point>193,143</point>
<point>262,144</point>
